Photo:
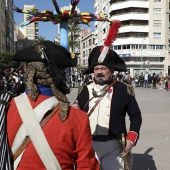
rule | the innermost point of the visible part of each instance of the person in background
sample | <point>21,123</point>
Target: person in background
<point>119,76</point>
<point>136,79</point>
<point>149,79</point>
<point>126,78</point>
<point>146,80</point>
<point>141,80</point>
<point>154,80</point>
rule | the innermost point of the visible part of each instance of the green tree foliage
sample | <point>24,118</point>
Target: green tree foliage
<point>6,61</point>
<point>73,36</point>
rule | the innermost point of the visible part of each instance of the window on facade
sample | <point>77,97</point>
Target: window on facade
<point>144,47</point>
<point>30,38</point>
<point>157,0</point>
<point>156,47</point>
<point>157,24</point>
<point>20,44</point>
<point>104,31</point>
<point>137,46</point>
<point>128,47</point>
<point>89,51</point>
<point>93,40</point>
<point>83,53</point>
<point>83,45</point>
<point>86,61</point>
<point>124,47</point>
<point>83,62</point>
<point>139,35</point>
<point>157,11</point>
<point>115,47</point>
<point>30,25</point>
<point>157,35</point>
<point>133,46</point>
<point>90,42</point>
<point>30,31</point>
<point>124,35</point>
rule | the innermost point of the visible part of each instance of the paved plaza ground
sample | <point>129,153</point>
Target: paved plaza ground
<point>152,151</point>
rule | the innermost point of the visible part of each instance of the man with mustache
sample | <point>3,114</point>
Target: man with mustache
<point>106,102</point>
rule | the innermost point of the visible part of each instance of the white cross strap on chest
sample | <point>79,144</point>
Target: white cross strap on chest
<point>35,132</point>
<point>39,111</point>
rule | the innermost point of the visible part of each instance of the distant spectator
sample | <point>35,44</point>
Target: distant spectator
<point>119,76</point>
<point>154,78</point>
<point>141,79</point>
<point>136,79</point>
<point>146,80</point>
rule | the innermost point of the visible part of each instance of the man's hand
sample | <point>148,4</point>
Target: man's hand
<point>75,105</point>
<point>129,145</point>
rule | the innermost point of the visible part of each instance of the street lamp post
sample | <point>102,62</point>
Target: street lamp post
<point>141,53</point>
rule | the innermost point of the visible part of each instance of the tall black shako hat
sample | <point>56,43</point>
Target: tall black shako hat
<point>53,56</point>
<point>103,55</point>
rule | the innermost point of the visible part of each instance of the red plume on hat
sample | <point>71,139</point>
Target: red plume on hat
<point>109,39</point>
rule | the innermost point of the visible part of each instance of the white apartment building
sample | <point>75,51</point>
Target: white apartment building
<point>25,35</point>
<point>101,28</point>
<point>143,41</point>
<point>31,30</point>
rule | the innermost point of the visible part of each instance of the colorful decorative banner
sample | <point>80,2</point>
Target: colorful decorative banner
<point>63,15</point>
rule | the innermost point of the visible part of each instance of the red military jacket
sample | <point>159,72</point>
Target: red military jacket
<point>70,140</point>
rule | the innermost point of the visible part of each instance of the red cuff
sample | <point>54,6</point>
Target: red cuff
<point>132,136</point>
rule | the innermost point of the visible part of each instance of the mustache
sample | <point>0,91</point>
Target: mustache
<point>100,75</point>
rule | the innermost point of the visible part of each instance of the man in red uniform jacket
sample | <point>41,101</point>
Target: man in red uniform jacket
<point>64,142</point>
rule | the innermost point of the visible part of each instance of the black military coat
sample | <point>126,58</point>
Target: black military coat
<point>122,103</point>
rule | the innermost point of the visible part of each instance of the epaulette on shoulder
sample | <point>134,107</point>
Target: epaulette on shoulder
<point>130,89</point>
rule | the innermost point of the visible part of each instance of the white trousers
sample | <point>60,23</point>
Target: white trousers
<point>109,155</point>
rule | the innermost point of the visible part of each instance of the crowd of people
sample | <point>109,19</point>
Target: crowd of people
<point>77,79</point>
<point>13,81</point>
<point>145,80</point>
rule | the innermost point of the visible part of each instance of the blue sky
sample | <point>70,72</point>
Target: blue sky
<point>48,29</point>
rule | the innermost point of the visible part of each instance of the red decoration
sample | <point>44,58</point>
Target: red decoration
<point>112,33</point>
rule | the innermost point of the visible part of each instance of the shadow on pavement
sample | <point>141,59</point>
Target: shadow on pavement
<point>144,161</point>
